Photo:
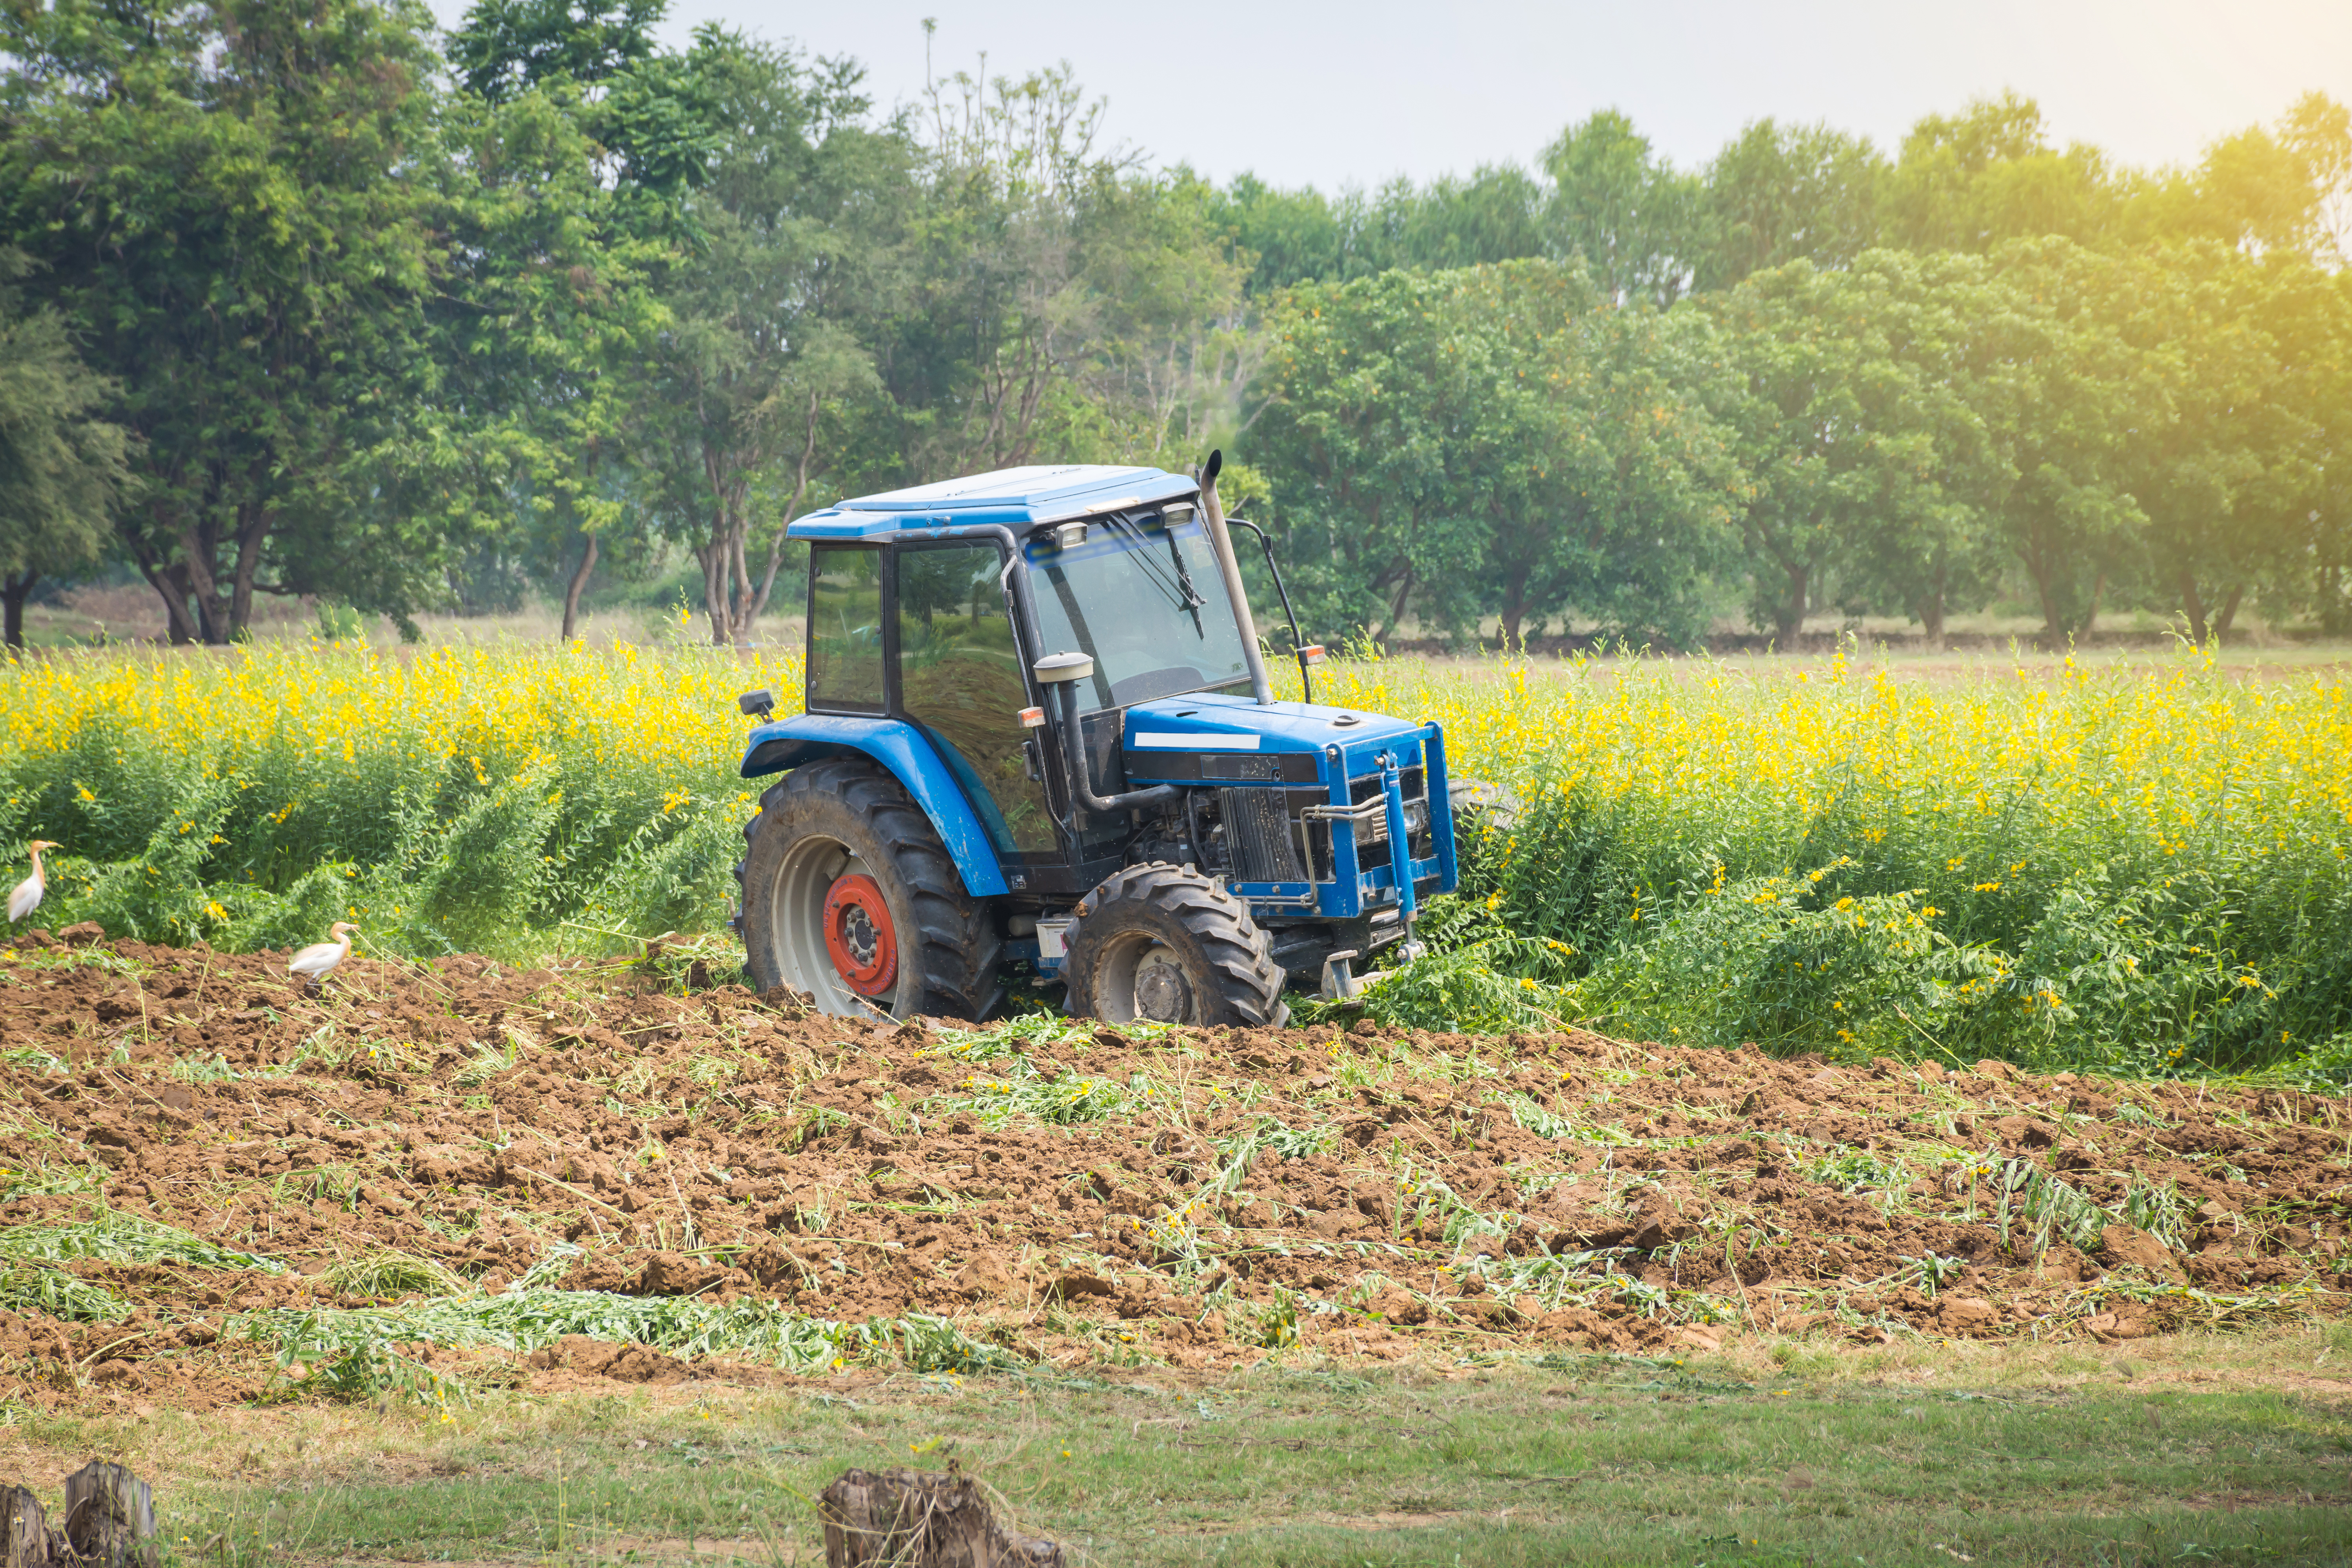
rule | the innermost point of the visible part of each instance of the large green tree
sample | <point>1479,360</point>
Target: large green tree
<point>1621,507</point>
<point>768,361</point>
<point>1631,216</point>
<point>2082,394</point>
<point>232,202</point>
<point>62,468</point>
<point>1848,400</point>
<point>574,144</point>
<point>1959,337</point>
<point>1969,181</point>
<point>544,329</point>
<point>1065,302</point>
<point>1777,194</point>
<point>1396,428</point>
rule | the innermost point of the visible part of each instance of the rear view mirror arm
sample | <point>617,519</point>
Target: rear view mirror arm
<point>1297,642</point>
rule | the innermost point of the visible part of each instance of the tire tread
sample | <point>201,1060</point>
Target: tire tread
<point>1249,982</point>
<point>954,941</point>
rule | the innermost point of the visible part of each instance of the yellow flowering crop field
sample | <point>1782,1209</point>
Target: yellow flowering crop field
<point>2138,867</point>
<point>511,800</point>
<point>2141,867</point>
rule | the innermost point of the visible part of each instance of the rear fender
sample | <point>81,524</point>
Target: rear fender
<point>902,748</point>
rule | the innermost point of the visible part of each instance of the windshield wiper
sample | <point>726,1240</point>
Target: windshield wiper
<point>1179,589</point>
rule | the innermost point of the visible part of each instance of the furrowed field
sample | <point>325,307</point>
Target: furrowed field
<point>2137,869</point>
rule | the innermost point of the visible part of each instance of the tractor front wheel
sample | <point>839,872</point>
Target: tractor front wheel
<point>849,895</point>
<point>1165,944</point>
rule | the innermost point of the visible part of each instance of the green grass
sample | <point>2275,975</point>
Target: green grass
<point>1589,1460</point>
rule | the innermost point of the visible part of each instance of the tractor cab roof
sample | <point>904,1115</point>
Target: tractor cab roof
<point>1009,498</point>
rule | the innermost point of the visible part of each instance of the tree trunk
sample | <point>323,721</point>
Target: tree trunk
<point>758,604</point>
<point>253,528</point>
<point>171,585</point>
<point>738,541</point>
<point>27,1537</point>
<point>1789,615</point>
<point>768,575</point>
<point>13,591</point>
<point>919,1519</point>
<point>1931,617</point>
<point>111,1517</point>
<point>196,562</point>
<point>2034,550</point>
<point>1396,604</point>
<point>718,596</point>
<point>1514,609</point>
<point>2229,601</point>
<point>2193,602</point>
<point>718,552</point>
<point>2053,622</point>
<point>577,586</point>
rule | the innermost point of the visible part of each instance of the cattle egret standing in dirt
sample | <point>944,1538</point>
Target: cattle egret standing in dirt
<point>311,964</point>
<point>27,896</point>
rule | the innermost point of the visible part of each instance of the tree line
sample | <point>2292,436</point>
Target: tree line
<point>307,297</point>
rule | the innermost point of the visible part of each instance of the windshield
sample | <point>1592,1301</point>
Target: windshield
<point>1145,598</point>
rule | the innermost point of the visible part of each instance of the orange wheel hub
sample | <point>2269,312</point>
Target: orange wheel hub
<point>858,936</point>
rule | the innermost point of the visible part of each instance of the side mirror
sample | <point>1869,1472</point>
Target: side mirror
<point>757,704</point>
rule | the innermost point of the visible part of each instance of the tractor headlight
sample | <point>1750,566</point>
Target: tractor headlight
<point>1416,818</point>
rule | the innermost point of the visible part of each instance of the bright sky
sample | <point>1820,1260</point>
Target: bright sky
<point>1334,94</point>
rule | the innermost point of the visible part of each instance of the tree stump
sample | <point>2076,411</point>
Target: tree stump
<point>919,1519</point>
<point>27,1530</point>
<point>111,1517</point>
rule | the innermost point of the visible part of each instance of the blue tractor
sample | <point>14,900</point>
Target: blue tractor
<point>1038,733</point>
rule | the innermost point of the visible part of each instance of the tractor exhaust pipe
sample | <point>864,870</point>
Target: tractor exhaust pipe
<point>1221,544</point>
<point>1062,672</point>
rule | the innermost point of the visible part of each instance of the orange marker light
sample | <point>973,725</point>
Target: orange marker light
<point>1034,717</point>
<point>1312,653</point>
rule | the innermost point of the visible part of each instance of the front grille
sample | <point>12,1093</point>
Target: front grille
<point>1257,832</point>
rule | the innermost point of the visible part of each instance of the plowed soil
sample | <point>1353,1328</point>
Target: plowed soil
<point>1197,1199</point>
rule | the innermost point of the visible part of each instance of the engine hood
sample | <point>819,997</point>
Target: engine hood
<point>1174,738</point>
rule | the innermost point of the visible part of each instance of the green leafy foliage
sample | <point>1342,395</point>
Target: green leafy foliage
<point>110,1235</point>
<point>28,1288</point>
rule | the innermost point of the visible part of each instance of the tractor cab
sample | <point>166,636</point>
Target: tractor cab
<point>1038,735</point>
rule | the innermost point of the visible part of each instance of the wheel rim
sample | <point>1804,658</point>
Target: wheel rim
<point>806,874</point>
<point>858,935</point>
<point>1162,992</point>
<point>1140,978</point>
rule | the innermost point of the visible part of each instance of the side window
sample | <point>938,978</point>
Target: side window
<point>959,680</point>
<point>844,645</point>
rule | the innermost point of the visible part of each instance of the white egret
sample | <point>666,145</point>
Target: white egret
<point>27,896</point>
<point>311,964</point>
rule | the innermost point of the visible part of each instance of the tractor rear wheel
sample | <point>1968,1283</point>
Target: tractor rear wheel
<point>849,895</point>
<point>1165,944</point>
